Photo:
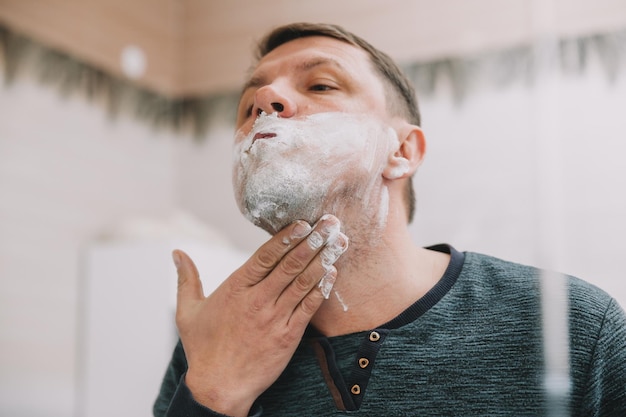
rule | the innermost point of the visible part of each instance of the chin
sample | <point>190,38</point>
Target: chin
<point>273,215</point>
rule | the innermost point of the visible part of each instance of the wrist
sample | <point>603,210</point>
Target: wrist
<point>218,398</point>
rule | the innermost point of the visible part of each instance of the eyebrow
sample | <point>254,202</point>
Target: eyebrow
<point>259,80</point>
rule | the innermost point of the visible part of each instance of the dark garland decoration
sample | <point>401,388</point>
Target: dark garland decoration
<point>522,63</point>
<point>196,115</point>
<point>185,115</point>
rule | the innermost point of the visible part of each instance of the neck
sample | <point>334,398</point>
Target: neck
<point>378,278</point>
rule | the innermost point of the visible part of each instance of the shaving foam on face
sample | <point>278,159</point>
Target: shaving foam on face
<point>384,205</point>
<point>400,169</point>
<point>344,306</point>
<point>289,169</point>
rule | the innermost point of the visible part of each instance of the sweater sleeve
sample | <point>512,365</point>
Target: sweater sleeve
<point>606,385</point>
<point>175,398</point>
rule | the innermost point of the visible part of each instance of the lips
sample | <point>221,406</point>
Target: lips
<point>263,135</point>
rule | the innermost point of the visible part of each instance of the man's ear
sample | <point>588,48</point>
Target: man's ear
<point>404,161</point>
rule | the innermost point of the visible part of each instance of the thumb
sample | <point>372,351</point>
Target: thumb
<point>189,284</point>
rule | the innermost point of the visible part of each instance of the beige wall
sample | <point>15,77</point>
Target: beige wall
<point>198,47</point>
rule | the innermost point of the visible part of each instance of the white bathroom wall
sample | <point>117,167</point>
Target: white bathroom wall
<point>486,184</point>
<point>66,172</point>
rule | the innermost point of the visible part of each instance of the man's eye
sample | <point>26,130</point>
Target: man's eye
<point>321,87</point>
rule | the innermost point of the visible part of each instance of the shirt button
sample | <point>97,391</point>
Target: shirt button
<point>363,362</point>
<point>374,336</point>
<point>356,389</point>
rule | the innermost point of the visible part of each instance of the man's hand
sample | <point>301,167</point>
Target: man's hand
<point>239,339</point>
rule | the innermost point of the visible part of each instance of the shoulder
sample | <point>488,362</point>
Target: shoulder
<point>493,291</point>
<point>507,281</point>
<point>594,315</point>
<point>586,297</point>
<point>495,280</point>
<point>485,266</point>
<point>492,271</point>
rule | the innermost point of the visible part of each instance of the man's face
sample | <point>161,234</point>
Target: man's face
<point>313,135</point>
<point>312,75</point>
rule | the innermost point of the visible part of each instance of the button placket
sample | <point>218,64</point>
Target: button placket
<point>374,337</point>
<point>364,363</point>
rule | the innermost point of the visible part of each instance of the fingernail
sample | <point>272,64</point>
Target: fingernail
<point>327,282</point>
<point>341,242</point>
<point>176,258</point>
<point>315,240</point>
<point>334,250</point>
<point>301,229</point>
<point>332,231</point>
<point>328,231</point>
<point>332,223</point>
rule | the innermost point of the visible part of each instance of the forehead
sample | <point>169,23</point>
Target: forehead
<point>305,53</point>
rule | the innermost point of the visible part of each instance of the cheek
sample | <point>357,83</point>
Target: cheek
<point>245,128</point>
<point>240,160</point>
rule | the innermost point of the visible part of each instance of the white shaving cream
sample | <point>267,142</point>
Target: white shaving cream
<point>400,169</point>
<point>290,169</point>
<point>344,306</point>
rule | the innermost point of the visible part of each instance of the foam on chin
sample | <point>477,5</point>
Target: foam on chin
<point>311,166</point>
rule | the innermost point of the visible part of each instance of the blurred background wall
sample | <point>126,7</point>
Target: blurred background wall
<point>116,126</point>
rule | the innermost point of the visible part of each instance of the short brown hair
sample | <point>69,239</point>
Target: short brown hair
<point>401,97</point>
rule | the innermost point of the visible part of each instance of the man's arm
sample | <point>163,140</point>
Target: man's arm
<point>238,340</point>
<point>606,386</point>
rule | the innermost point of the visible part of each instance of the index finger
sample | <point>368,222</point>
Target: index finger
<point>265,259</point>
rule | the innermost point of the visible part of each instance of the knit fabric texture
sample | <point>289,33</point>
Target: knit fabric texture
<point>472,346</point>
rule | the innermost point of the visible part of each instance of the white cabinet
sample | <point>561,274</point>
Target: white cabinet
<point>127,330</point>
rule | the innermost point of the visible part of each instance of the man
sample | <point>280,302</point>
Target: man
<point>339,311</point>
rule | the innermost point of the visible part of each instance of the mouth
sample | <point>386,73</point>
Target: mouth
<point>263,135</point>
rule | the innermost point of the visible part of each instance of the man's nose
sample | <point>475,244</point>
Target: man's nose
<point>270,99</point>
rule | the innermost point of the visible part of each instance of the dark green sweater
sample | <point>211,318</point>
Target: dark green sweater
<point>472,346</point>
